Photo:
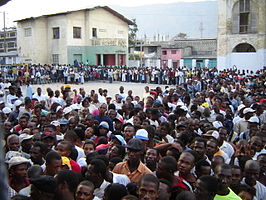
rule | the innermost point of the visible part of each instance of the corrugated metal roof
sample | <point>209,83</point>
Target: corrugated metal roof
<point>129,22</point>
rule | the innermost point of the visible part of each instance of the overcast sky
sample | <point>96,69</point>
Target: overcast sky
<point>19,9</point>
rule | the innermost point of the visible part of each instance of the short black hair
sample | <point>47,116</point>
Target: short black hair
<point>171,163</point>
<point>90,142</point>
<point>87,183</point>
<point>116,160</point>
<point>99,167</point>
<point>71,178</point>
<point>201,163</point>
<point>211,182</point>
<point>42,146</point>
<point>51,156</point>
<point>200,139</point>
<point>115,191</point>
<point>150,178</point>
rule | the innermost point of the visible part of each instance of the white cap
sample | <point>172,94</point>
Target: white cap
<point>212,133</point>
<point>7,110</point>
<point>24,136</point>
<point>184,108</point>
<point>142,134</point>
<point>67,110</point>
<point>17,160</point>
<point>17,103</point>
<point>58,108</point>
<point>55,123</point>
<point>248,110</point>
<point>74,107</point>
<point>254,119</point>
<point>241,106</point>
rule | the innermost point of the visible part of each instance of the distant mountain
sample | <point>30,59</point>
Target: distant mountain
<point>168,20</point>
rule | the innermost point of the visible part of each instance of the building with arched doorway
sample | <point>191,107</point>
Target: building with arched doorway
<point>242,34</point>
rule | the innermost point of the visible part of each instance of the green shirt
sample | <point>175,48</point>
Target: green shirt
<point>230,196</point>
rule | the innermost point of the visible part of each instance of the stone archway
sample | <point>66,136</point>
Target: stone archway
<point>244,48</point>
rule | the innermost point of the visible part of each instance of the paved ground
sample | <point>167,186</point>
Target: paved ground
<point>113,88</point>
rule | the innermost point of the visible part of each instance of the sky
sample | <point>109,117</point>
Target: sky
<point>19,9</point>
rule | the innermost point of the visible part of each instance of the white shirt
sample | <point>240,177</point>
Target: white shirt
<point>228,149</point>
<point>121,179</point>
<point>260,190</point>
<point>99,192</point>
<point>81,153</point>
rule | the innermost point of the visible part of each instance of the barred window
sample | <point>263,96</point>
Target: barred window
<point>77,32</point>
<point>27,32</point>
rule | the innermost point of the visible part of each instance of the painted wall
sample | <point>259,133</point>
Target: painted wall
<point>89,52</point>
<point>170,55</point>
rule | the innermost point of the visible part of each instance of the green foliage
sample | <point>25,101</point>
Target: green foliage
<point>133,29</point>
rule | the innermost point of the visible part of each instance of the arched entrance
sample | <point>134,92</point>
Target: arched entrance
<point>244,48</point>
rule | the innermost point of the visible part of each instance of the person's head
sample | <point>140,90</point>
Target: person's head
<point>129,132</point>
<point>102,109</point>
<point>43,187</point>
<point>53,163</point>
<point>217,160</point>
<point>256,144</point>
<point>185,163</point>
<point>166,168</point>
<point>96,171</point>
<point>202,168</point>
<point>165,190</point>
<point>18,168</point>
<point>71,136</point>
<point>39,91</point>
<point>38,152</point>
<point>89,146</point>
<point>64,148</point>
<point>236,175</point>
<point>23,121</point>
<point>135,148</point>
<point>113,162</point>
<point>245,192</point>
<point>13,142</point>
<point>212,148</point>
<point>115,191</point>
<point>85,191</point>
<point>206,187</point>
<point>262,161</point>
<point>222,134</point>
<point>199,145</point>
<point>224,174</point>
<point>148,188</point>
<point>251,172</point>
<point>117,151</point>
<point>152,157</point>
<point>67,182</point>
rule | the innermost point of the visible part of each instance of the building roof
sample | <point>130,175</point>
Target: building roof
<point>108,9</point>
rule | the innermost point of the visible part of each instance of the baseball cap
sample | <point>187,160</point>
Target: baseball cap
<point>120,139</point>
<point>7,110</point>
<point>11,154</point>
<point>18,103</point>
<point>17,160</point>
<point>212,133</point>
<point>66,161</point>
<point>58,108</point>
<point>24,136</point>
<point>119,97</point>
<point>108,97</point>
<point>254,119</point>
<point>63,122</point>
<point>135,144</point>
<point>248,110</point>
<point>104,124</point>
<point>142,134</point>
<point>55,123</point>
<point>67,110</point>
<point>240,107</point>
<point>74,107</point>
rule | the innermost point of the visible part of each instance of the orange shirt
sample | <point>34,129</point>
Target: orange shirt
<point>122,168</point>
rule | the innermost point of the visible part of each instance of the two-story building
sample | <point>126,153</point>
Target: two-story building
<point>97,36</point>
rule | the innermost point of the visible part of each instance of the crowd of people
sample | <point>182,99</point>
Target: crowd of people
<point>200,138</point>
<point>79,74</point>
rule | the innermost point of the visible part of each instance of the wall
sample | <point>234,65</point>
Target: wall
<point>170,56</point>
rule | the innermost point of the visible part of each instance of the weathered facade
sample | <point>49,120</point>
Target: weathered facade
<point>192,53</point>
<point>242,34</point>
<point>97,36</point>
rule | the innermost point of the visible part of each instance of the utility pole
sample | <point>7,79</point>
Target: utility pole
<point>4,17</point>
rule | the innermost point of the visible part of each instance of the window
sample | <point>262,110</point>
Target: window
<point>10,44</point>
<point>173,51</point>
<point>76,32</point>
<point>244,48</point>
<point>1,45</point>
<point>94,32</point>
<point>27,32</point>
<point>55,58</point>
<point>56,33</point>
<point>12,34</point>
<point>164,52</point>
<point>244,15</point>
<point>2,35</point>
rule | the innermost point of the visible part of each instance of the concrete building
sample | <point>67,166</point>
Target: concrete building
<point>192,53</point>
<point>242,34</point>
<point>95,36</point>
<point>8,46</point>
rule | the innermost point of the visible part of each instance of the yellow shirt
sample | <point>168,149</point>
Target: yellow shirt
<point>230,196</point>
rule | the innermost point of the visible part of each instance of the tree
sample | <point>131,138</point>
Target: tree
<point>133,29</point>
